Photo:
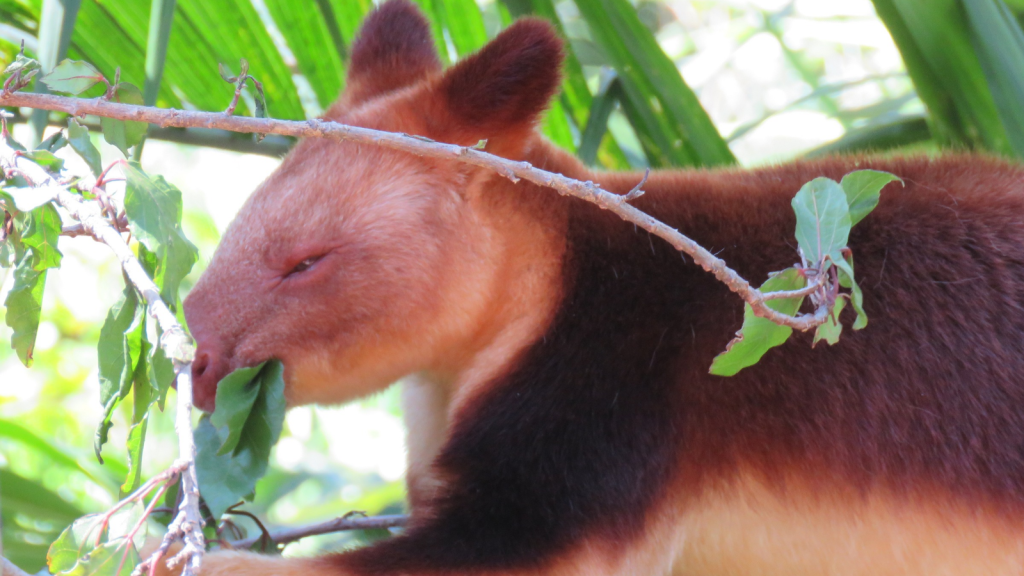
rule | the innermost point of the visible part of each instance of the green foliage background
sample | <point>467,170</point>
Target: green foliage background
<point>624,104</point>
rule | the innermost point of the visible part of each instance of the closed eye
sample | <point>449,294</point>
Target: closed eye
<point>304,265</point>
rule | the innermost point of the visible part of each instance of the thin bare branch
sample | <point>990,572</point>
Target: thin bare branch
<point>337,525</point>
<point>508,168</point>
<point>7,568</point>
<point>176,344</point>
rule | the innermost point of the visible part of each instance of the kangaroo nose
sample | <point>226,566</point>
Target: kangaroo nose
<point>207,370</point>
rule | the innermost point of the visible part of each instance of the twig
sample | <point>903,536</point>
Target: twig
<point>636,191</point>
<point>175,343</point>
<point>7,568</point>
<point>510,169</point>
<point>337,525</point>
<point>820,278</point>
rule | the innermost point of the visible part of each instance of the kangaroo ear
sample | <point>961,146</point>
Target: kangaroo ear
<point>394,49</point>
<point>502,88</point>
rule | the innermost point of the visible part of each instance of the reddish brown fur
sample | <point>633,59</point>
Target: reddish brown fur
<point>570,424</point>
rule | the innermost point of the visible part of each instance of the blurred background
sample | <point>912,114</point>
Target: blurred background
<point>678,83</point>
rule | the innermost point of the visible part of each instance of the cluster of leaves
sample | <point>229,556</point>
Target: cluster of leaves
<point>75,77</point>
<point>127,356</point>
<point>826,211</point>
<point>233,447</point>
<point>129,360</point>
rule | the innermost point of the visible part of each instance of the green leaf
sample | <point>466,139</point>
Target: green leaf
<point>832,328</point>
<point>55,142</point>
<point>236,394</point>
<point>260,100</point>
<point>822,220</point>
<point>464,24</point>
<point>597,123</point>
<point>72,542</point>
<point>161,374</point>
<point>348,14</point>
<point>41,234</point>
<point>22,64</point>
<point>24,303</point>
<point>999,43</point>
<point>673,119</point>
<point>51,452</point>
<point>120,133</point>
<point>46,159</point>
<point>934,39</point>
<point>105,560</point>
<point>226,74</point>
<point>153,207</point>
<point>847,280</point>
<point>143,399</point>
<point>311,31</point>
<point>758,335</point>
<point>228,478</point>
<point>72,77</point>
<point>877,136</point>
<point>863,189</point>
<point>120,344</point>
<point>13,143</point>
<point>78,137</point>
<point>119,351</point>
<point>76,552</point>
<point>31,499</point>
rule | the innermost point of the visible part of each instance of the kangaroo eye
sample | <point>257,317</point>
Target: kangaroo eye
<point>305,265</point>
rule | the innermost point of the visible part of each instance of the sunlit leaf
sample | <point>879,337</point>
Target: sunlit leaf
<point>54,142</point>
<point>22,64</point>
<point>119,345</point>
<point>90,548</point>
<point>72,77</point>
<point>105,560</point>
<point>143,398</point>
<point>758,335</point>
<point>78,137</point>
<point>119,349</point>
<point>153,207</point>
<point>46,159</point>
<point>24,303</point>
<point>161,374</point>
